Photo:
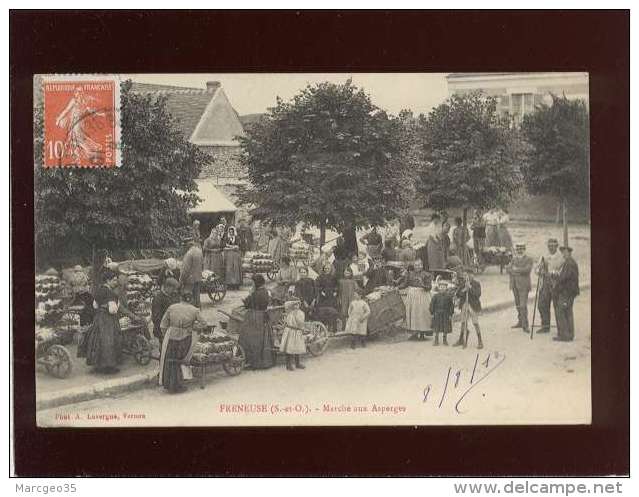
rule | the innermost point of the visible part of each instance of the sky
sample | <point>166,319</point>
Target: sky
<point>254,93</point>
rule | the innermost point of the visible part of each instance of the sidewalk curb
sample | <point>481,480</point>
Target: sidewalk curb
<point>103,389</point>
<point>136,382</point>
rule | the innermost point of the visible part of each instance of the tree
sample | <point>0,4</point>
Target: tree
<point>470,155</point>
<point>330,158</point>
<point>558,161</point>
<point>143,202</point>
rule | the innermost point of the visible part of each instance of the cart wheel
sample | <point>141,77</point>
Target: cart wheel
<point>58,361</point>
<point>318,344</point>
<point>142,350</point>
<point>216,291</point>
<point>235,364</point>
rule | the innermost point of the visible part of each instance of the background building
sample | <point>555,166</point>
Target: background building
<point>517,93</point>
<point>207,119</point>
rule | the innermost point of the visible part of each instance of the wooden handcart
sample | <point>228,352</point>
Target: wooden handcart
<point>230,355</point>
<point>386,311</point>
<point>51,353</point>
<point>316,334</point>
<point>135,342</point>
<point>492,256</point>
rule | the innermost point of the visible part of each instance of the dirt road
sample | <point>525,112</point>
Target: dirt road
<point>395,381</point>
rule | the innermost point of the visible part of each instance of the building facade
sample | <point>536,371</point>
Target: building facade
<point>207,119</point>
<point>517,93</point>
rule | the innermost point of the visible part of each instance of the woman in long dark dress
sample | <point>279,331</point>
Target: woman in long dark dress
<point>102,343</point>
<point>179,326</point>
<point>232,259</point>
<point>212,248</point>
<point>326,305</point>
<point>326,289</point>
<point>255,332</point>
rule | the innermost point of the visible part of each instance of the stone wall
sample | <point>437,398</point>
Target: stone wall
<point>225,164</point>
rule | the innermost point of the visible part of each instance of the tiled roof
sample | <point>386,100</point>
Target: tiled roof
<point>185,104</point>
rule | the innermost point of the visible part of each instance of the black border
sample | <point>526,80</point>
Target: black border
<point>335,41</point>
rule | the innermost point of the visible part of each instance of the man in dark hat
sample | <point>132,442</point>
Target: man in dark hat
<point>519,270</point>
<point>565,290</point>
<point>548,269</point>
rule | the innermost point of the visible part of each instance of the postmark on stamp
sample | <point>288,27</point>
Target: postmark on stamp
<point>81,121</point>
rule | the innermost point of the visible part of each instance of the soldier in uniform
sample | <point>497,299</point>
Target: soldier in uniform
<point>548,269</point>
<point>565,290</point>
<point>519,270</point>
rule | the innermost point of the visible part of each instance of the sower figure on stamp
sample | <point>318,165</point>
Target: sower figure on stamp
<point>565,290</point>
<point>519,270</point>
<point>548,270</point>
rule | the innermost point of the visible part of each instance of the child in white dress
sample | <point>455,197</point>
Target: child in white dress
<point>357,323</point>
<point>293,344</point>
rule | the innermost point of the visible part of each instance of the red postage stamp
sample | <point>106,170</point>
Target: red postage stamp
<point>81,121</point>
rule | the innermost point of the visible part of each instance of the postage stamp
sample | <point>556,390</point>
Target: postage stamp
<point>81,121</point>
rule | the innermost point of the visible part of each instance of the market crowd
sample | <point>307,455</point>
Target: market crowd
<point>433,276</point>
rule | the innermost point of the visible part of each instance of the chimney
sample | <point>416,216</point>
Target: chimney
<point>212,85</point>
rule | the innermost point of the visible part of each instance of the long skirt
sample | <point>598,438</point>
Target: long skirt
<point>374,251</point>
<point>256,340</point>
<point>418,316</point>
<point>492,236</point>
<point>293,342</point>
<point>174,353</point>
<point>463,253</point>
<point>102,343</point>
<point>442,323</point>
<point>214,261</point>
<point>504,237</point>
<point>233,263</point>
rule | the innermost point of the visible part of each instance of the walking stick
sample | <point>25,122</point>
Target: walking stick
<point>540,278</point>
<point>465,314</point>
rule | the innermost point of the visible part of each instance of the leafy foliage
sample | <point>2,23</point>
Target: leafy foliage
<point>330,158</point>
<point>558,159</point>
<point>470,156</point>
<point>137,204</point>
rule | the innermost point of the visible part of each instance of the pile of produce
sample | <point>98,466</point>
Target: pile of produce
<point>300,251</point>
<point>125,322</point>
<point>206,274</point>
<point>139,291</point>
<point>496,251</point>
<point>380,291</point>
<point>48,291</point>
<point>497,255</point>
<point>450,286</point>
<point>258,262</point>
<point>215,346</point>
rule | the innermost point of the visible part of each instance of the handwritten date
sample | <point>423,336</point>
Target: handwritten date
<point>460,382</point>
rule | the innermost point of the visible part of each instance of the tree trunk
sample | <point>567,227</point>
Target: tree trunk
<point>565,221</point>
<point>322,228</point>
<point>97,261</point>
<point>558,218</point>
<point>95,275</point>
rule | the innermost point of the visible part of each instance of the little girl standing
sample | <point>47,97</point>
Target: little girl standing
<point>357,324</point>
<point>442,308</point>
<point>293,344</point>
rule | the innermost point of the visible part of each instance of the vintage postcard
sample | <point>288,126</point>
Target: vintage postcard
<point>312,249</point>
